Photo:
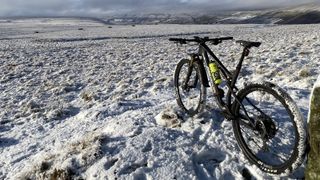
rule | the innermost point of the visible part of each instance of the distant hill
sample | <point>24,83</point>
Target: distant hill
<point>303,14</point>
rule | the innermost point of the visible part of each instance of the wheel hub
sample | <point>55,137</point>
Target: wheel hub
<point>266,127</point>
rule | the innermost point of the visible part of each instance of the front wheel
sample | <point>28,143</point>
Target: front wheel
<point>190,91</point>
<point>275,141</point>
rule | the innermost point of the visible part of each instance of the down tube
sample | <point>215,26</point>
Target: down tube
<point>214,86</point>
<point>219,63</point>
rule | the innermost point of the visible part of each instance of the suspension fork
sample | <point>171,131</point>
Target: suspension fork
<point>195,58</point>
<point>190,67</point>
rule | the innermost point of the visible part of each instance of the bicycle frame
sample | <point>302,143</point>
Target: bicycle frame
<point>231,79</point>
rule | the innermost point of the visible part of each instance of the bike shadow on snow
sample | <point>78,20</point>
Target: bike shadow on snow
<point>209,115</point>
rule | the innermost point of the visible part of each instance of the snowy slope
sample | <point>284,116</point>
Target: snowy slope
<point>95,103</point>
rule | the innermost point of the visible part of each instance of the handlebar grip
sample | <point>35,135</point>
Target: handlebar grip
<point>178,40</point>
<point>226,38</point>
<point>175,39</point>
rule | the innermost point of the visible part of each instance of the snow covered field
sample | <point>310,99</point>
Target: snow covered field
<point>82,99</point>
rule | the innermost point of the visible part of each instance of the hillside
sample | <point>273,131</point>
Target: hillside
<point>304,14</point>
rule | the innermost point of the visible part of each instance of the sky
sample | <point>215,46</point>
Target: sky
<point>109,7</point>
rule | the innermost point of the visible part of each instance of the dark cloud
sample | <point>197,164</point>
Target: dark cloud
<point>35,7</point>
<point>106,7</point>
<point>119,6</point>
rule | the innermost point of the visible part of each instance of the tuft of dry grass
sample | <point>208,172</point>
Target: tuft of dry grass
<point>61,174</point>
<point>67,164</point>
<point>87,96</point>
<point>304,73</point>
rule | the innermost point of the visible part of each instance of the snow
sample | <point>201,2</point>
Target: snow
<point>317,83</point>
<point>239,16</point>
<point>100,103</point>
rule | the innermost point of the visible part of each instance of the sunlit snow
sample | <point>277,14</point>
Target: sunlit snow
<point>89,100</point>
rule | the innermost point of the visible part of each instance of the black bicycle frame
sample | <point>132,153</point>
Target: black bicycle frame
<point>231,79</point>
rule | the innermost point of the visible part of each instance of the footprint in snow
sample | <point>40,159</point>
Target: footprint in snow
<point>6,142</point>
<point>131,168</point>
<point>206,162</point>
<point>147,147</point>
<point>110,163</point>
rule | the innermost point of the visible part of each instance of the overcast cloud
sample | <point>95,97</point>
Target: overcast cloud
<point>107,7</point>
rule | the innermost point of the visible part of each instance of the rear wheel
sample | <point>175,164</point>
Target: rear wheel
<point>190,91</point>
<point>276,141</point>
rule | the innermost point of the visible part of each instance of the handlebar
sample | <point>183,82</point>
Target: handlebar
<point>197,39</point>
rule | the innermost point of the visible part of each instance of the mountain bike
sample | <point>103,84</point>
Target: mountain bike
<point>267,123</point>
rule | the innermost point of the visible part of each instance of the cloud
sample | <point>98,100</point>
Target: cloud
<point>35,7</point>
<point>105,7</point>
